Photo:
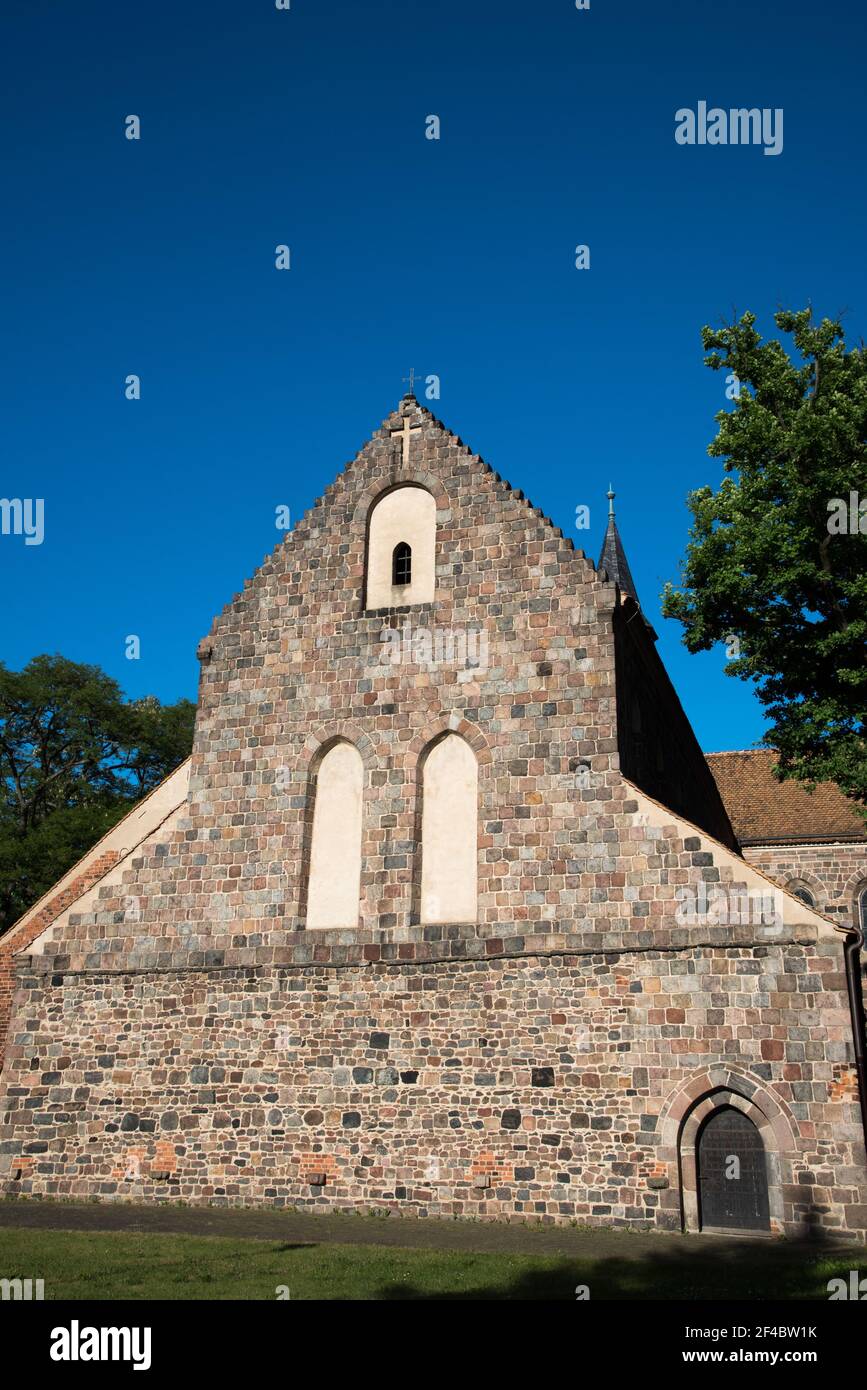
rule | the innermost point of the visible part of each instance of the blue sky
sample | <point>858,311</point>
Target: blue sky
<point>456,257</point>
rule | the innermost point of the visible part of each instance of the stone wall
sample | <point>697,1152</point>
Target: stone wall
<point>520,1085</point>
<point>453,1070</point>
<point>55,905</point>
<point>834,874</point>
<point>150,820</point>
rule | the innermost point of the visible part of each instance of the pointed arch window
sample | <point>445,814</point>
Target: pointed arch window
<point>334,881</point>
<point>861,908</point>
<point>449,832</point>
<point>401,564</point>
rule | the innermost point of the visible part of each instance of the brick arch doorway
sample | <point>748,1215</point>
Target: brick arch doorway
<point>732,1173</point>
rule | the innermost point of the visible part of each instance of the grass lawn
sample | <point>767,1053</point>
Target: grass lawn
<point>113,1265</point>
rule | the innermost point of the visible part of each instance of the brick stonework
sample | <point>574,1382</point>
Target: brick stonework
<point>545,1062</point>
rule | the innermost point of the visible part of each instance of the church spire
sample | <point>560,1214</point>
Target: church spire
<point>613,557</point>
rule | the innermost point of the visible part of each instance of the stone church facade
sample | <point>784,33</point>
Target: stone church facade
<point>450,918</point>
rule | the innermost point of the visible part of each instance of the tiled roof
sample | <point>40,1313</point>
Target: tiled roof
<point>765,811</point>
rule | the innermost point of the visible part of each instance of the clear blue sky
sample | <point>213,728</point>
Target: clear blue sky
<point>455,257</point>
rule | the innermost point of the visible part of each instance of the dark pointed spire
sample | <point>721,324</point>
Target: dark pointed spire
<point>613,558</point>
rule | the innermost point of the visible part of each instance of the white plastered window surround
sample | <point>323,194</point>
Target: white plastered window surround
<point>334,883</point>
<point>449,833</point>
<point>404,516</point>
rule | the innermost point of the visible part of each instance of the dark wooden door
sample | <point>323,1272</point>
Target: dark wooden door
<point>732,1176</point>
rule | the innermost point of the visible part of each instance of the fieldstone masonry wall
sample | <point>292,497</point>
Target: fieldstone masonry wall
<point>528,1085</point>
<point>541,1062</point>
<point>34,928</point>
<point>835,874</point>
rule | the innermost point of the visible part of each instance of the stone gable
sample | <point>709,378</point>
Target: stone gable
<point>296,660</point>
<point>189,1036</point>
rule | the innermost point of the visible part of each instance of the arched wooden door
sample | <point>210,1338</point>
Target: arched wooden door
<point>732,1173</point>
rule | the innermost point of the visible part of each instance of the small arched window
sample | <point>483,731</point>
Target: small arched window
<point>401,564</point>
<point>805,895</point>
<point>401,549</point>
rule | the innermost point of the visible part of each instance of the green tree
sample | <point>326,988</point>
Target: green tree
<point>768,562</point>
<point>74,756</point>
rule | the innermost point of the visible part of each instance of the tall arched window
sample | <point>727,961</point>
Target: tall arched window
<point>861,908</point>
<point>449,832</point>
<point>334,882</point>
<point>401,548</point>
<point>401,564</point>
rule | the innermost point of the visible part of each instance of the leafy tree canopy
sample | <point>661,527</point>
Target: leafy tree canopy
<point>776,564</point>
<point>74,756</point>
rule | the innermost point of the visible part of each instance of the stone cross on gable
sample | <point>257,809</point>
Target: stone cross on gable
<point>406,431</point>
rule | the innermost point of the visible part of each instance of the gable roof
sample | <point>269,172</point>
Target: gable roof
<point>764,811</point>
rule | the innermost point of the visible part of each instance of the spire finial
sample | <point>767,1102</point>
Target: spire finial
<point>613,557</point>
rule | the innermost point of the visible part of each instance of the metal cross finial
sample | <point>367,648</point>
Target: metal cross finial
<point>610,501</point>
<point>411,380</point>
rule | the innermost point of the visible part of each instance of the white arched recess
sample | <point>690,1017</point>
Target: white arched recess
<point>449,832</point>
<point>404,516</point>
<point>334,884</point>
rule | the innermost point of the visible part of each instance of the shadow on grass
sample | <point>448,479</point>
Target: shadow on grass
<point>752,1271</point>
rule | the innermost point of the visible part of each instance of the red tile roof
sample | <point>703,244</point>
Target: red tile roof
<point>765,811</point>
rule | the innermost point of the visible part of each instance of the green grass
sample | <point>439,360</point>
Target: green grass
<point>96,1265</point>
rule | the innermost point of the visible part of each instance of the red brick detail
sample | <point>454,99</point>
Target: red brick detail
<point>489,1165</point>
<point>312,1164</point>
<point>844,1085</point>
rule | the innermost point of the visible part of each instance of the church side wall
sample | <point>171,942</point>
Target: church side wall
<point>538,1086</point>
